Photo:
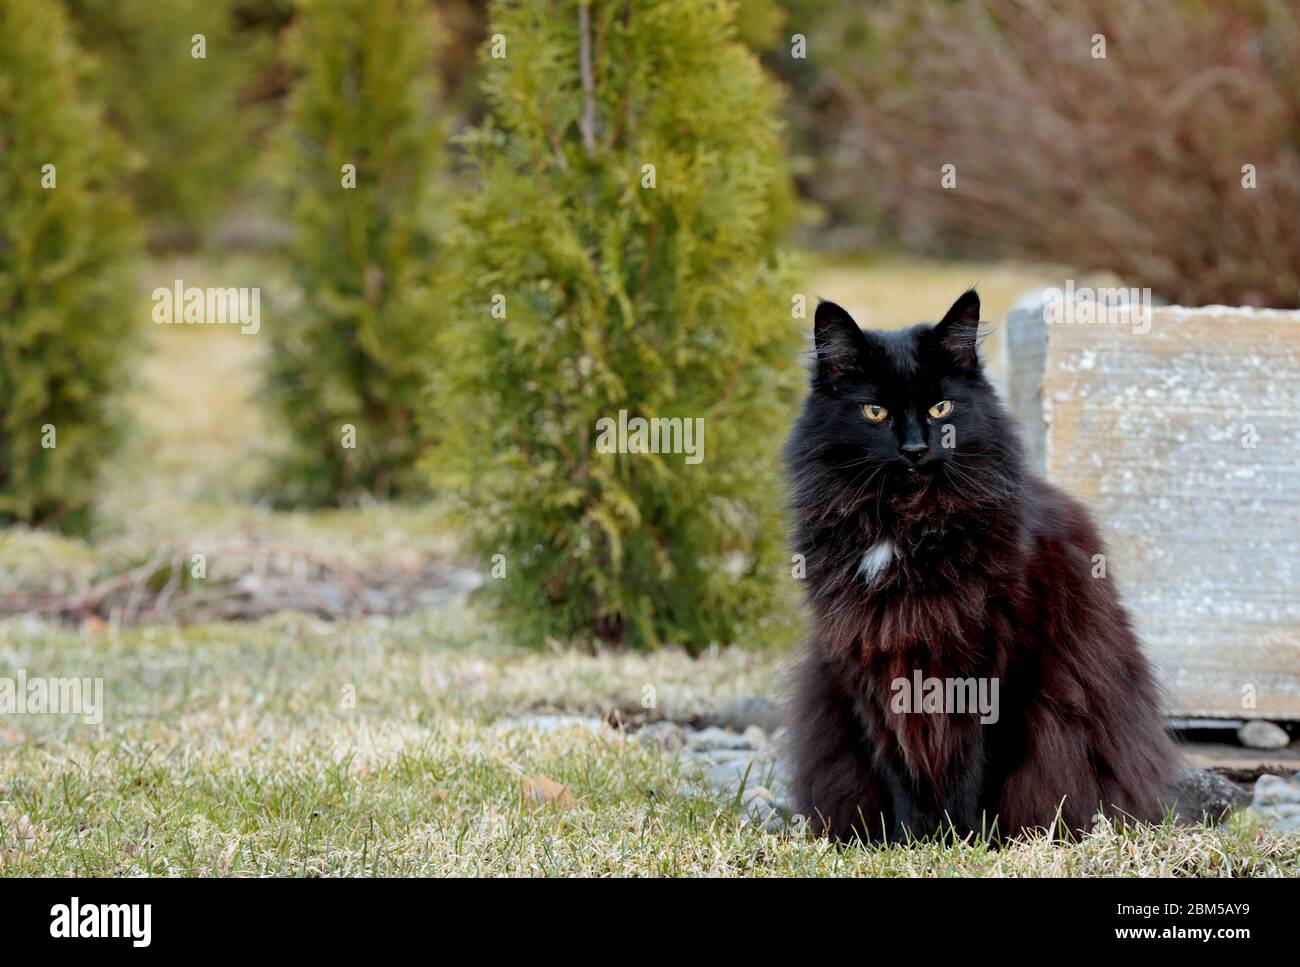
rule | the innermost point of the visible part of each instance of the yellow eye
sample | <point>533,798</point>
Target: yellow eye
<point>941,409</point>
<point>874,413</point>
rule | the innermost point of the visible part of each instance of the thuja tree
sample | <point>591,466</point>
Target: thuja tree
<point>617,264</point>
<point>178,80</point>
<point>357,162</point>
<point>66,236</point>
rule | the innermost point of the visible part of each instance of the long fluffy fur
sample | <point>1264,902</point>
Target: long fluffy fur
<point>992,577</point>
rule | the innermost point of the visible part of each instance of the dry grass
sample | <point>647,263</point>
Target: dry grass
<point>230,750</point>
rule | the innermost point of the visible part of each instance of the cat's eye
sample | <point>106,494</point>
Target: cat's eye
<point>941,409</point>
<point>874,413</point>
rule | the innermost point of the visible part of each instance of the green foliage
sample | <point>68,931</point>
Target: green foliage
<point>186,118</point>
<point>665,301</point>
<point>64,279</point>
<point>354,351</point>
<point>758,23</point>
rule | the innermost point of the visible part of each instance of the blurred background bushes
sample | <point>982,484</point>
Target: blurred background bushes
<point>192,124</point>
<point>589,284</point>
<point>359,165</point>
<point>67,244</point>
<point>1131,163</point>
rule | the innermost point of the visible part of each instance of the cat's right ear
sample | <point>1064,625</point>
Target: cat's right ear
<point>839,342</point>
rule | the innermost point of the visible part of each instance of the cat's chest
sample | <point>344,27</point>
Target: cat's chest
<point>876,562</point>
<point>901,596</point>
<point>886,568</point>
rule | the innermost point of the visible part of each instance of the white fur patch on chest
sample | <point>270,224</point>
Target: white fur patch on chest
<point>876,560</point>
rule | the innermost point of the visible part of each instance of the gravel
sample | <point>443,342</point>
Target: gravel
<point>742,764</point>
<point>743,767</point>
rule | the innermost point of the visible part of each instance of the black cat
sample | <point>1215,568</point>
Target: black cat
<point>932,554</point>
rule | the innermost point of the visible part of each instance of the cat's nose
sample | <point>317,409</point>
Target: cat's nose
<point>913,452</point>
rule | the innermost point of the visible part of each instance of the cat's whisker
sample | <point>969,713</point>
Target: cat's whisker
<point>971,484</point>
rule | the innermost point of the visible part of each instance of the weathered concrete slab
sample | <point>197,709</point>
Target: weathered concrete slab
<point>1025,349</point>
<point>1183,434</point>
<point>1242,765</point>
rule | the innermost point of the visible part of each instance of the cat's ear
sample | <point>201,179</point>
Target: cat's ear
<point>959,330</point>
<point>841,345</point>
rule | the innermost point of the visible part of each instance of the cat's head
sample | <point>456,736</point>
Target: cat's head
<point>907,413</point>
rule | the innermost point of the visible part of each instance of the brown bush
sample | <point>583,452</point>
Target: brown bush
<point>1132,163</point>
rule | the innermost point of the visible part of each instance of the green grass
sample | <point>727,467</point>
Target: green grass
<point>228,750</point>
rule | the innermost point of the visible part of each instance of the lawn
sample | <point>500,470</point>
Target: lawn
<point>292,747</point>
<point>397,745</point>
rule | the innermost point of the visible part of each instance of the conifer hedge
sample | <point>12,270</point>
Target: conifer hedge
<point>358,162</point>
<point>176,78</point>
<point>617,260</point>
<point>66,240</point>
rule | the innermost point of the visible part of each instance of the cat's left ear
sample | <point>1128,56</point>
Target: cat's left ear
<point>959,330</point>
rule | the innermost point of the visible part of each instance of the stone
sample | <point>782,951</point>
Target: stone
<point>1259,734</point>
<point>710,757</point>
<point>552,723</point>
<point>758,793</point>
<point>666,735</point>
<point>1198,795</point>
<point>716,738</point>
<point>727,776</point>
<point>1277,801</point>
<point>750,710</point>
<point>760,813</point>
